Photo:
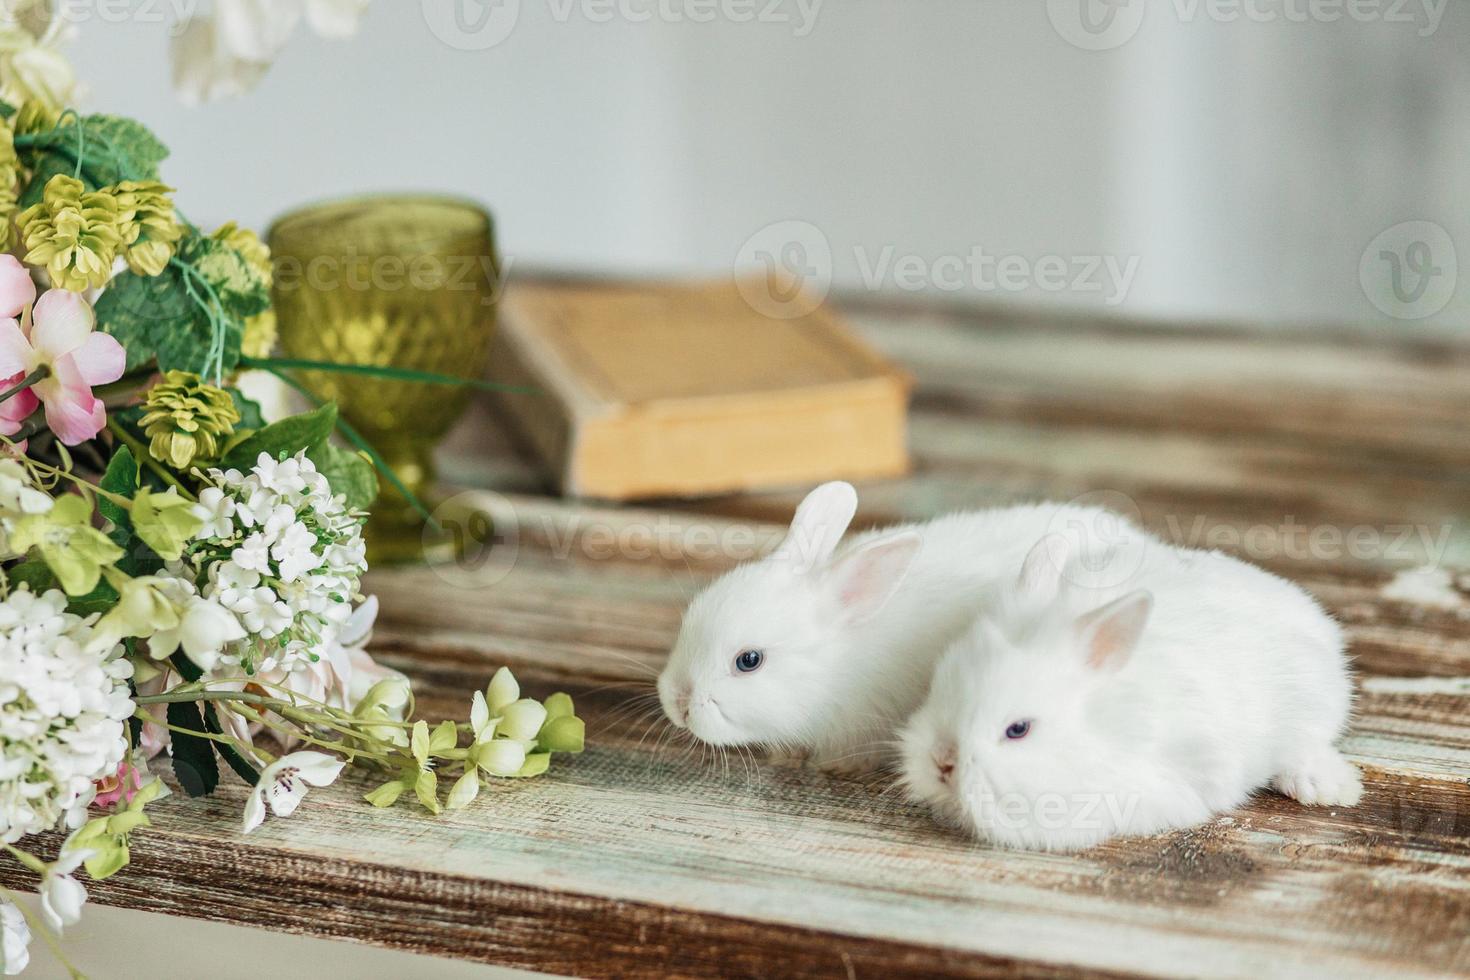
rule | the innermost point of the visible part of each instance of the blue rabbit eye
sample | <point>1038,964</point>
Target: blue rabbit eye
<point>749,660</point>
<point>1018,729</point>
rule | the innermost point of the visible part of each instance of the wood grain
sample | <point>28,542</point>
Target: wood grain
<point>647,856</point>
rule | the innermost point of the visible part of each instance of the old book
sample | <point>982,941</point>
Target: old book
<point>679,390</point>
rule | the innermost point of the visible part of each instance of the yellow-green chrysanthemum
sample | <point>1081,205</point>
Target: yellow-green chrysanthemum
<point>74,233</point>
<point>185,418</point>
<point>148,224</point>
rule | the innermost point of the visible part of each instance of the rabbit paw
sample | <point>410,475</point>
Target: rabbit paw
<point>1323,780</point>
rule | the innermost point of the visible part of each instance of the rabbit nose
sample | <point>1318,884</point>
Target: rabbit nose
<point>681,704</point>
<point>944,762</point>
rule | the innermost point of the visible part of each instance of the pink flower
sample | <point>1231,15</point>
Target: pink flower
<point>121,785</point>
<point>57,333</point>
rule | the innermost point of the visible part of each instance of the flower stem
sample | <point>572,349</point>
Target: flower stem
<point>141,454</point>
<point>39,374</point>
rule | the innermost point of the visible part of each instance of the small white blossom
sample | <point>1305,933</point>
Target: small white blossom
<point>62,896</point>
<point>283,784</point>
<point>15,939</point>
<point>283,558</point>
<point>62,714</point>
<point>215,510</point>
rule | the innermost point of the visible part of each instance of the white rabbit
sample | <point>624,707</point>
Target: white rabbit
<point>826,650</point>
<point>1072,714</point>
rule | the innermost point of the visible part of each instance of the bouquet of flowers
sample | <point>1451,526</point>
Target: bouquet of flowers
<point>177,575</point>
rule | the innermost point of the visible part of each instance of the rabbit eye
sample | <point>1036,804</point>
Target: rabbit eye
<point>1018,730</point>
<point>749,660</point>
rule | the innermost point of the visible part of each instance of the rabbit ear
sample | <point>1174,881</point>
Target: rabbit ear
<point>818,526</point>
<point>865,578</point>
<point>1110,634</point>
<point>1041,572</point>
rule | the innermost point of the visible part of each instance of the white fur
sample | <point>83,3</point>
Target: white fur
<point>850,635</point>
<point>1202,680</point>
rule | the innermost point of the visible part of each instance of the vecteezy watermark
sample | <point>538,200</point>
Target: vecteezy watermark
<point>1051,811</point>
<point>1096,25</point>
<point>1100,25</point>
<point>1410,271</point>
<point>425,272</point>
<point>1403,544</point>
<point>486,532</point>
<point>1104,542</point>
<point>175,13</point>
<point>785,270</point>
<point>478,25</point>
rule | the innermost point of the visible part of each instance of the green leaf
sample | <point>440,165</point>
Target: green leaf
<point>121,478</point>
<point>113,149</point>
<point>289,435</point>
<point>444,737</point>
<point>350,474</point>
<point>33,572</point>
<point>156,317</point>
<point>193,756</point>
<point>386,794</point>
<point>250,416</point>
<point>228,752</point>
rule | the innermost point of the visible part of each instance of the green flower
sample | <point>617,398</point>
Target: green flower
<point>9,183</point>
<point>165,521</point>
<point>185,418</point>
<point>74,233</point>
<point>260,330</point>
<point>148,224</point>
<point>141,610</point>
<point>75,551</point>
<point>255,252</point>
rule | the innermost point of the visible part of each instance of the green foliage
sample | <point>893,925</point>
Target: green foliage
<point>156,317</point>
<point>172,316</point>
<point>349,473</point>
<point>113,149</point>
<point>250,416</point>
<point>121,478</point>
<point>288,436</point>
<point>194,763</point>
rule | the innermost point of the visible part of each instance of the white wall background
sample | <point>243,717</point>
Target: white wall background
<point>1246,163</point>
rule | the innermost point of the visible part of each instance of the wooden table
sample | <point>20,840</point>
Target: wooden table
<point>649,857</point>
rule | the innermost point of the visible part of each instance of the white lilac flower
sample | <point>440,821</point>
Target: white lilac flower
<point>62,714</point>
<point>284,784</point>
<point>15,939</point>
<point>283,557</point>
<point>62,896</point>
<point>216,510</point>
<point>226,54</point>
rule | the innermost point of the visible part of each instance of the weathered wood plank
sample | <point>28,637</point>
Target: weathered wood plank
<point>649,857</point>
